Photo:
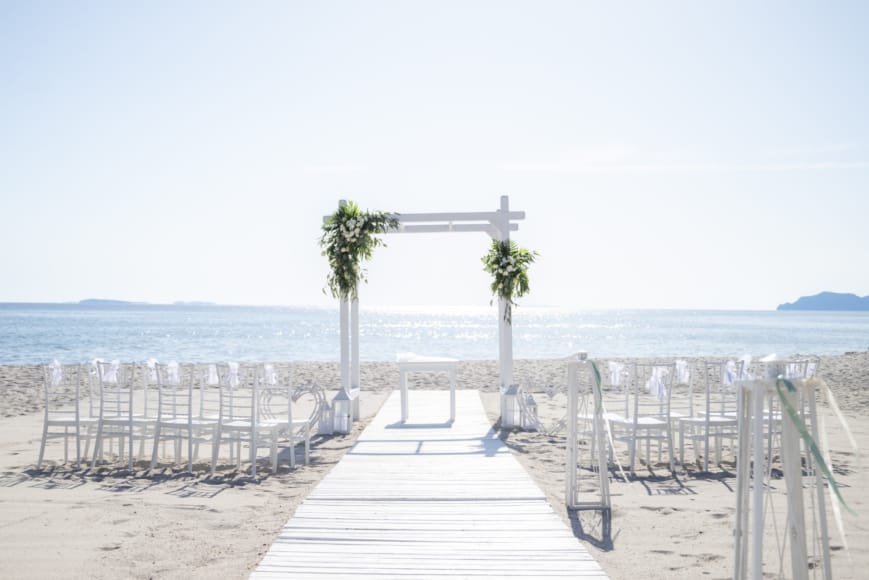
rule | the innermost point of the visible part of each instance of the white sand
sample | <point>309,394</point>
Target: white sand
<point>106,524</point>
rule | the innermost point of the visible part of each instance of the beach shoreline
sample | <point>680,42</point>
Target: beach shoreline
<point>107,523</point>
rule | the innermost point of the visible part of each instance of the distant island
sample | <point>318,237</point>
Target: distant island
<point>828,301</point>
<point>104,302</point>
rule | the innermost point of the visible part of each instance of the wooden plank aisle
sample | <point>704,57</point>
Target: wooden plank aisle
<point>427,499</point>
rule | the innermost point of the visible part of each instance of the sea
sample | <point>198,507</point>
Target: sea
<point>69,333</point>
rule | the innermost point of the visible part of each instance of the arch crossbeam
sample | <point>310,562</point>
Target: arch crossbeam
<point>491,223</point>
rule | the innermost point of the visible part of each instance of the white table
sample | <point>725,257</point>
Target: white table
<point>412,363</point>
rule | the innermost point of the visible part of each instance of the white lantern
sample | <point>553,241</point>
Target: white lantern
<point>511,414</point>
<point>342,407</point>
<point>326,425</point>
<point>528,417</point>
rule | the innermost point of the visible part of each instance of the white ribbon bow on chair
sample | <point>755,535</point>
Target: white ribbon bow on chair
<point>172,372</point>
<point>212,375</point>
<point>655,384</point>
<point>729,373</point>
<point>270,377</point>
<point>111,374</point>
<point>683,372</point>
<point>56,373</point>
<point>615,373</point>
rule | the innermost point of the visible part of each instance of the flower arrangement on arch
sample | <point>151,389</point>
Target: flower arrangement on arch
<point>508,265</point>
<point>349,237</point>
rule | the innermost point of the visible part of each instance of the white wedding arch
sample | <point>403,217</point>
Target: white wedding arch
<point>497,224</point>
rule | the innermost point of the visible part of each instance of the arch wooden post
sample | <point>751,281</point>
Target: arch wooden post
<point>354,357</point>
<point>345,405</point>
<point>509,401</point>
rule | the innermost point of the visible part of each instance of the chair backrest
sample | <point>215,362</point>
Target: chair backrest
<point>146,379</point>
<point>652,389</point>
<point>275,393</point>
<point>721,379</point>
<point>91,384</point>
<point>683,396</point>
<point>175,382</point>
<point>62,388</point>
<point>802,368</point>
<point>237,391</point>
<point>209,392</point>
<point>617,380</point>
<point>116,389</point>
<point>315,397</point>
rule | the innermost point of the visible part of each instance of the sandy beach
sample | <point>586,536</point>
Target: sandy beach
<point>107,523</point>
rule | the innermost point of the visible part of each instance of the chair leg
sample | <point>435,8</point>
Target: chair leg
<point>189,450</point>
<point>77,446</point>
<point>156,446</point>
<point>706,449</point>
<point>632,450</point>
<point>98,446</point>
<point>215,448</point>
<point>42,446</point>
<point>66,444</point>
<point>87,445</point>
<point>253,444</point>
<point>670,445</point>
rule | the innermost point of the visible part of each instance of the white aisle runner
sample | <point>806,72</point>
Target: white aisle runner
<point>427,499</point>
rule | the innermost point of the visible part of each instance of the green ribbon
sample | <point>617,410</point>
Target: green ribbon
<point>807,438</point>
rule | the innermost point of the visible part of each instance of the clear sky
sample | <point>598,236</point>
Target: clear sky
<point>667,154</point>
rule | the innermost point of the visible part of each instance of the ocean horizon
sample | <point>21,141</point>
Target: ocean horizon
<point>34,333</point>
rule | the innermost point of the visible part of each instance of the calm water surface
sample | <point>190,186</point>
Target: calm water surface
<point>36,333</point>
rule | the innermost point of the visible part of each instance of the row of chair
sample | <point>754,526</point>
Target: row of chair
<point>235,405</point>
<point>662,402</point>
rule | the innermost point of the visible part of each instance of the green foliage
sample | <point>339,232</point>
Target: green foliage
<point>349,237</point>
<point>508,265</point>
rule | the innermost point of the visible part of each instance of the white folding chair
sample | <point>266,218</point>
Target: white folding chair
<point>645,414</point>
<point>117,418</point>
<point>239,416</point>
<point>275,407</point>
<point>179,420</point>
<point>714,419</point>
<point>63,417</point>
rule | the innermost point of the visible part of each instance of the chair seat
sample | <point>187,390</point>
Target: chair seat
<point>184,422</point>
<point>237,424</point>
<point>136,421</point>
<point>62,422</point>
<point>652,422</point>
<point>645,422</point>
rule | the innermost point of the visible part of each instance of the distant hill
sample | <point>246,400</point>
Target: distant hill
<point>828,301</point>
<point>102,302</point>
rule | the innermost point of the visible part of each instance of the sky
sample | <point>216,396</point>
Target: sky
<point>691,155</point>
